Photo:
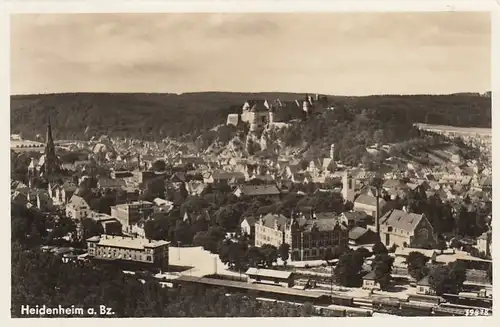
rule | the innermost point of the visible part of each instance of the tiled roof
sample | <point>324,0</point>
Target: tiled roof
<point>357,232</point>
<point>370,275</point>
<point>127,242</point>
<point>369,200</point>
<point>77,201</point>
<point>111,183</point>
<point>355,215</point>
<point>401,220</point>
<point>322,224</point>
<point>269,273</point>
<point>424,281</point>
<point>250,220</point>
<point>255,190</point>
<point>269,220</point>
<point>224,175</point>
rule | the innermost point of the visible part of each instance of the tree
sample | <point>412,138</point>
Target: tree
<point>155,188</point>
<point>337,252</point>
<point>238,255</point>
<point>393,248</point>
<point>416,262</point>
<point>159,166</point>
<point>227,217</point>
<point>447,279</point>
<point>328,254</point>
<point>348,269</point>
<point>255,256</point>
<point>441,245</point>
<point>284,252</point>
<point>91,228</point>
<point>379,248</point>
<point>382,266</point>
<point>183,233</point>
<point>224,249</point>
<point>270,253</point>
<point>364,252</point>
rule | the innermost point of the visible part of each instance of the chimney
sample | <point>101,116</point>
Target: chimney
<point>317,96</point>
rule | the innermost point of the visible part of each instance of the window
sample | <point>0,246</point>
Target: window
<point>148,258</point>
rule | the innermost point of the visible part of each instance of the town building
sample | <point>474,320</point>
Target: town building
<point>357,219</point>
<point>48,164</point>
<point>424,287</point>
<point>270,276</point>
<point>110,225</point>
<point>369,282</point>
<point>77,208</point>
<point>362,236</point>
<point>368,203</point>
<point>61,194</point>
<point>405,229</point>
<point>129,214</point>
<point>483,243</point>
<point>258,191</point>
<point>248,227</point>
<point>122,248</point>
<point>308,238</point>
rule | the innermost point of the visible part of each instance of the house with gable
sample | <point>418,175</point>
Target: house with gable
<point>405,229</point>
<point>77,208</point>
<point>61,194</point>
<point>368,204</point>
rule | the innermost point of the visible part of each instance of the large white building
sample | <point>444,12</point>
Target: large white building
<point>141,250</point>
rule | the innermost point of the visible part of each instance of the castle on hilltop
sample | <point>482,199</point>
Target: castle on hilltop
<point>259,113</point>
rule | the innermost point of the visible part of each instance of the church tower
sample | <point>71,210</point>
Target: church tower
<point>50,164</point>
<point>348,187</point>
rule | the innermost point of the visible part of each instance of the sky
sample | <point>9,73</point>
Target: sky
<point>329,53</point>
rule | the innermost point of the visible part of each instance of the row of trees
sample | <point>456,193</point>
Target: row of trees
<point>459,217</point>
<point>442,278</point>
<point>349,269</point>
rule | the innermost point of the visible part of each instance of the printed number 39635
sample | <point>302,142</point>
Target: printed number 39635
<point>477,312</point>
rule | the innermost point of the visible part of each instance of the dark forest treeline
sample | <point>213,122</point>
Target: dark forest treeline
<point>155,116</point>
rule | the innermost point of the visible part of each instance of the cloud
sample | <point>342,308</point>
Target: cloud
<point>246,52</point>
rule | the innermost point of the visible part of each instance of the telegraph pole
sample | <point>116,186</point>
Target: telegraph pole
<point>179,250</point>
<point>331,281</point>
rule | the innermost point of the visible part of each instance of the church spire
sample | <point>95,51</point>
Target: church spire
<point>50,151</point>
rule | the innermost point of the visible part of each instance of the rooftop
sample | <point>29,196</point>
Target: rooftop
<point>259,190</point>
<point>357,232</point>
<point>269,273</point>
<point>126,242</point>
<point>254,287</point>
<point>369,200</point>
<point>402,220</point>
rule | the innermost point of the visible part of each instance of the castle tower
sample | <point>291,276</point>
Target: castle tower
<point>50,164</point>
<point>348,187</point>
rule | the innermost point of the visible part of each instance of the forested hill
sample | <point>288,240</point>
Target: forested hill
<point>155,116</point>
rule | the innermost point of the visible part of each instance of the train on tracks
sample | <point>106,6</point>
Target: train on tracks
<point>274,292</point>
<point>341,305</point>
<point>428,306</point>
